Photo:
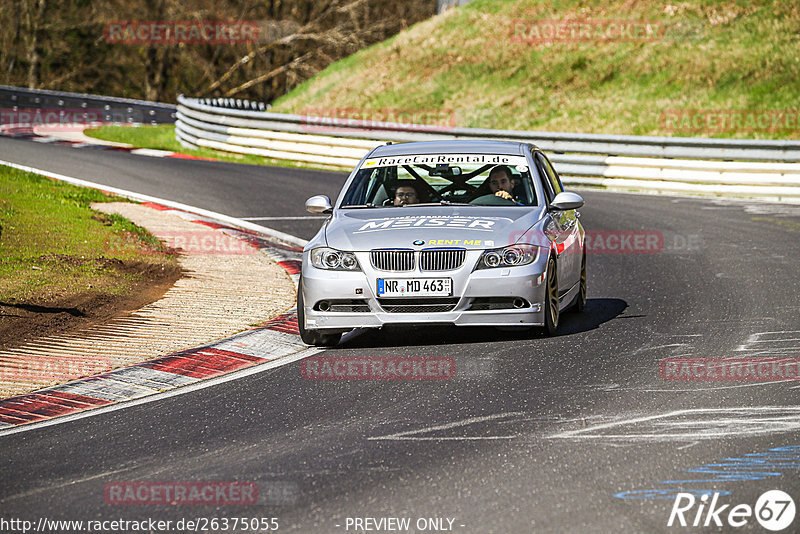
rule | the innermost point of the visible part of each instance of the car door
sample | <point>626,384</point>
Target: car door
<point>565,227</point>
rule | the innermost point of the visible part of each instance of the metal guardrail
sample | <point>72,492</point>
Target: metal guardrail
<point>750,168</point>
<point>109,109</point>
<point>247,114</point>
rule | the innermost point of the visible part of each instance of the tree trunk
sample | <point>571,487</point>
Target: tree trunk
<point>34,14</point>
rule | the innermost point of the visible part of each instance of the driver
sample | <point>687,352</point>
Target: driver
<point>501,182</point>
<point>405,193</point>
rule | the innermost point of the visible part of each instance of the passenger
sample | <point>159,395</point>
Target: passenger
<point>405,194</point>
<point>501,182</point>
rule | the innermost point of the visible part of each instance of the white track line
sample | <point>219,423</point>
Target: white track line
<point>408,434</point>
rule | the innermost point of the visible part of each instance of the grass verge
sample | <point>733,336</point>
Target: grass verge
<point>54,246</point>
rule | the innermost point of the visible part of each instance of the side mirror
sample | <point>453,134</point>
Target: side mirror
<point>567,201</point>
<point>319,204</point>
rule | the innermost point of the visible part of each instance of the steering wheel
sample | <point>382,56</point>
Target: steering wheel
<point>492,200</point>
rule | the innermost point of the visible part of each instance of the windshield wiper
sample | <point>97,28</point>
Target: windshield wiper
<point>367,205</point>
<point>440,203</point>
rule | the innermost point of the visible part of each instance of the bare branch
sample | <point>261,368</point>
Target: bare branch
<point>263,78</point>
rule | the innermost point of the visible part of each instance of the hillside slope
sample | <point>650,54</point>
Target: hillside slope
<point>697,68</point>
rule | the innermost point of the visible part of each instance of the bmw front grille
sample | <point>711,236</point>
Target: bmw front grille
<point>447,259</point>
<point>399,260</point>
<point>392,260</point>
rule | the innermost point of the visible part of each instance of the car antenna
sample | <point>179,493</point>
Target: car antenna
<point>388,143</point>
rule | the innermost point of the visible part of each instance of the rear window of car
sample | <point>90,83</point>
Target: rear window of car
<point>441,179</point>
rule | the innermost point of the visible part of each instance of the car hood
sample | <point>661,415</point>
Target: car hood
<point>445,226</point>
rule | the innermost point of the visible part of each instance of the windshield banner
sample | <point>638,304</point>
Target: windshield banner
<point>446,159</point>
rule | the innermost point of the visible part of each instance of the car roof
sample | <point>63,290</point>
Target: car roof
<point>511,148</point>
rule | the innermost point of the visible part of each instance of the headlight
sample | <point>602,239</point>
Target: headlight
<point>334,260</point>
<point>512,256</point>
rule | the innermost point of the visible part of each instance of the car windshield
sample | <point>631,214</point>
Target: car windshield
<point>442,179</point>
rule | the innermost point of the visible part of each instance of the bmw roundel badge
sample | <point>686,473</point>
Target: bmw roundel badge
<point>419,242</point>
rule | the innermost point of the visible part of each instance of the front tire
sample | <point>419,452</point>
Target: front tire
<point>580,298</point>
<point>312,337</point>
<point>551,311</point>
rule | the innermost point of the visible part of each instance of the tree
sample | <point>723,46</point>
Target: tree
<point>60,44</point>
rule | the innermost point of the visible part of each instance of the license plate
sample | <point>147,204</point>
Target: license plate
<point>415,287</point>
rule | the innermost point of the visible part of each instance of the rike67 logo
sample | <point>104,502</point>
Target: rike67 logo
<point>774,510</point>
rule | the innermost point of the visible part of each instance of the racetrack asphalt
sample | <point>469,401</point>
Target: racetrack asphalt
<point>533,434</point>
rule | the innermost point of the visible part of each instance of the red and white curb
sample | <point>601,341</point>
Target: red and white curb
<point>277,339</point>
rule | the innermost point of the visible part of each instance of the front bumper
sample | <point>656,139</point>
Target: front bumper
<point>469,288</point>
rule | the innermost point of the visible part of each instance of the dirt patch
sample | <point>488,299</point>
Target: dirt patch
<point>22,321</point>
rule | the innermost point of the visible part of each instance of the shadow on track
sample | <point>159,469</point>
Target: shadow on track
<point>35,308</point>
<point>597,312</point>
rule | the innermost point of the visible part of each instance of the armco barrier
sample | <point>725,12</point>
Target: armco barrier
<point>748,168</point>
<point>119,110</point>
